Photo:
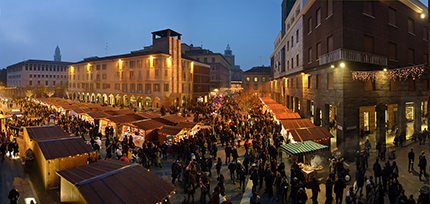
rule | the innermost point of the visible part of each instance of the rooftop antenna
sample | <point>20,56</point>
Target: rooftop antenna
<point>201,42</point>
<point>106,48</point>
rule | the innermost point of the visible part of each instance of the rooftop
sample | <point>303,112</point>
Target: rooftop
<point>259,69</point>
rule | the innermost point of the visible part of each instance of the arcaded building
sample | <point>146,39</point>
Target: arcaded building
<point>148,78</point>
<point>364,68</point>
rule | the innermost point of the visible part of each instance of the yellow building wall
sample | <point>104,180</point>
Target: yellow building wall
<point>52,180</point>
<point>69,193</point>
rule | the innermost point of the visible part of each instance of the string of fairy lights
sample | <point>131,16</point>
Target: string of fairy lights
<point>393,74</point>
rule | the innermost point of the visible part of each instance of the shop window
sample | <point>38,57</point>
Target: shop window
<point>369,85</point>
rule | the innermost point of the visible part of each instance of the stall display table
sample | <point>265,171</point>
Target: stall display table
<point>309,174</point>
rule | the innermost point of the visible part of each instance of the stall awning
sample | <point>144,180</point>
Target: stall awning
<point>124,119</point>
<point>149,115</point>
<point>120,112</point>
<point>310,133</point>
<point>296,123</point>
<point>97,115</point>
<point>303,148</point>
<point>283,116</point>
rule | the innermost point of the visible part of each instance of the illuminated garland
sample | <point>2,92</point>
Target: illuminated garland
<point>405,73</point>
<point>365,76</point>
<point>395,74</point>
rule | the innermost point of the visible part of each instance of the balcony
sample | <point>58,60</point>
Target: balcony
<point>354,56</point>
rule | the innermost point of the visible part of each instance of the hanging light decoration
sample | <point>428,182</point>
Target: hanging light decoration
<point>394,74</point>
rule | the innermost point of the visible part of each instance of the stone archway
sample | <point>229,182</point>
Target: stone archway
<point>148,102</point>
<point>99,99</point>
<point>111,99</point>
<point>105,99</point>
<point>132,102</point>
<point>87,97</point>
<point>140,103</point>
<point>118,100</point>
<point>156,103</point>
<point>74,96</point>
<point>126,100</point>
<point>93,98</point>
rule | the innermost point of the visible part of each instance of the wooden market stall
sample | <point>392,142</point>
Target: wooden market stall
<point>112,181</point>
<point>172,134</point>
<point>317,134</point>
<point>54,149</point>
<point>148,127</point>
<point>120,112</point>
<point>94,117</point>
<point>116,121</point>
<point>191,127</point>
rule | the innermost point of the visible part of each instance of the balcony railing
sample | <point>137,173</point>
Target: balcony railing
<point>351,55</point>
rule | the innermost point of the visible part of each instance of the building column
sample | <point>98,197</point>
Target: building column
<point>348,136</point>
<point>401,118</point>
<point>417,116</point>
<point>380,123</point>
<point>326,116</point>
<point>317,116</point>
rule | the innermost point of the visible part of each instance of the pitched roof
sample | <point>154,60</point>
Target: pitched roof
<point>171,119</point>
<point>113,181</point>
<point>46,132</point>
<point>49,62</point>
<point>120,112</point>
<point>281,116</point>
<point>125,118</point>
<point>259,69</point>
<point>131,54</point>
<point>310,133</point>
<point>149,114</point>
<point>188,125</point>
<point>297,123</point>
<point>63,147</point>
<point>170,130</point>
<point>303,148</point>
<point>148,124</point>
<point>97,114</point>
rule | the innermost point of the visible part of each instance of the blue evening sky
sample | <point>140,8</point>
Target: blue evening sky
<point>81,28</point>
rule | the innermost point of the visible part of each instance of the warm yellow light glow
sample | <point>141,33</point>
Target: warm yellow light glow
<point>120,64</point>
<point>385,69</point>
<point>169,62</point>
<point>423,16</point>
<point>303,73</point>
<point>192,66</point>
<point>28,200</point>
<point>342,65</point>
<point>151,61</point>
<point>216,90</point>
<point>89,67</point>
<point>332,66</point>
<point>72,69</point>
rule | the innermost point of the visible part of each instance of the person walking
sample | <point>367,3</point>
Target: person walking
<point>338,190</point>
<point>329,191</point>
<point>227,154</point>
<point>218,166</point>
<point>377,171</point>
<point>232,167</point>
<point>13,196</point>
<point>411,157</point>
<point>315,186</point>
<point>422,164</point>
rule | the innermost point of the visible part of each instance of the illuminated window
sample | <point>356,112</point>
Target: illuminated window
<point>255,79</point>
<point>247,79</point>
<point>263,79</point>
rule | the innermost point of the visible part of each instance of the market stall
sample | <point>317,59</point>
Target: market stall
<point>172,134</point>
<point>301,149</point>
<point>54,149</point>
<point>170,119</point>
<point>148,127</point>
<point>117,121</point>
<point>317,134</point>
<point>94,117</point>
<point>191,127</point>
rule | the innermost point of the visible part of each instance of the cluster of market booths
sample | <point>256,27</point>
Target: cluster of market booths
<point>301,137</point>
<point>61,158</point>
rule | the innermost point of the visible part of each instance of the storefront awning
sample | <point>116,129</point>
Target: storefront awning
<point>296,123</point>
<point>303,148</point>
<point>316,134</point>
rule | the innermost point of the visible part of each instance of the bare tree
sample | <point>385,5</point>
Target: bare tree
<point>29,91</point>
<point>49,91</point>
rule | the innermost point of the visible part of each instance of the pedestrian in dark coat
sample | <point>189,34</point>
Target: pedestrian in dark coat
<point>13,196</point>
<point>339,187</point>
<point>423,165</point>
<point>227,154</point>
<point>270,178</point>
<point>254,178</point>
<point>377,171</point>
<point>411,157</point>
<point>315,186</point>
<point>329,191</point>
